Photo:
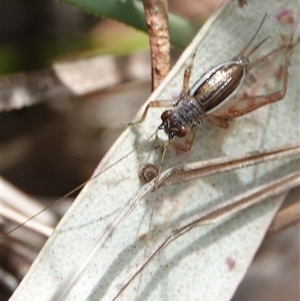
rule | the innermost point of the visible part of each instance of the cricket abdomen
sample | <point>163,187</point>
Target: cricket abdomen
<point>218,85</point>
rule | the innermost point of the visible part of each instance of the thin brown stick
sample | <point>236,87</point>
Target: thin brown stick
<point>156,14</point>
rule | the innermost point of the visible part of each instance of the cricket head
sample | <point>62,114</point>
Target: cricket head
<point>172,125</point>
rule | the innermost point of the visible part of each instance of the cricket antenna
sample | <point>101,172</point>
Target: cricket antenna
<point>80,186</point>
<point>242,53</point>
<point>166,144</point>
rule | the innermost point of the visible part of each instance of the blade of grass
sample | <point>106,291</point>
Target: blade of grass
<point>131,12</point>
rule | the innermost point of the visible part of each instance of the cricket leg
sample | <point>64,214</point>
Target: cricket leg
<point>247,104</point>
<point>189,140</point>
<point>218,121</point>
<point>187,74</point>
<point>152,104</point>
<point>287,47</point>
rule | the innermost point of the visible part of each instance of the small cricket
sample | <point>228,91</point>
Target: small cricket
<point>212,92</point>
<point>208,99</point>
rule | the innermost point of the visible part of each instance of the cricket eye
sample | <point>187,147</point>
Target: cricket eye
<point>165,115</point>
<point>182,132</point>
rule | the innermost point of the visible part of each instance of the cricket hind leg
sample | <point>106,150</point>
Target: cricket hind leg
<point>288,48</point>
<point>247,104</point>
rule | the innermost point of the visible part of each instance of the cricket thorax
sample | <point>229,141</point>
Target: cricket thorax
<point>187,113</point>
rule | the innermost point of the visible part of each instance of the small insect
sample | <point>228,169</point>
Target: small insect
<point>212,92</point>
